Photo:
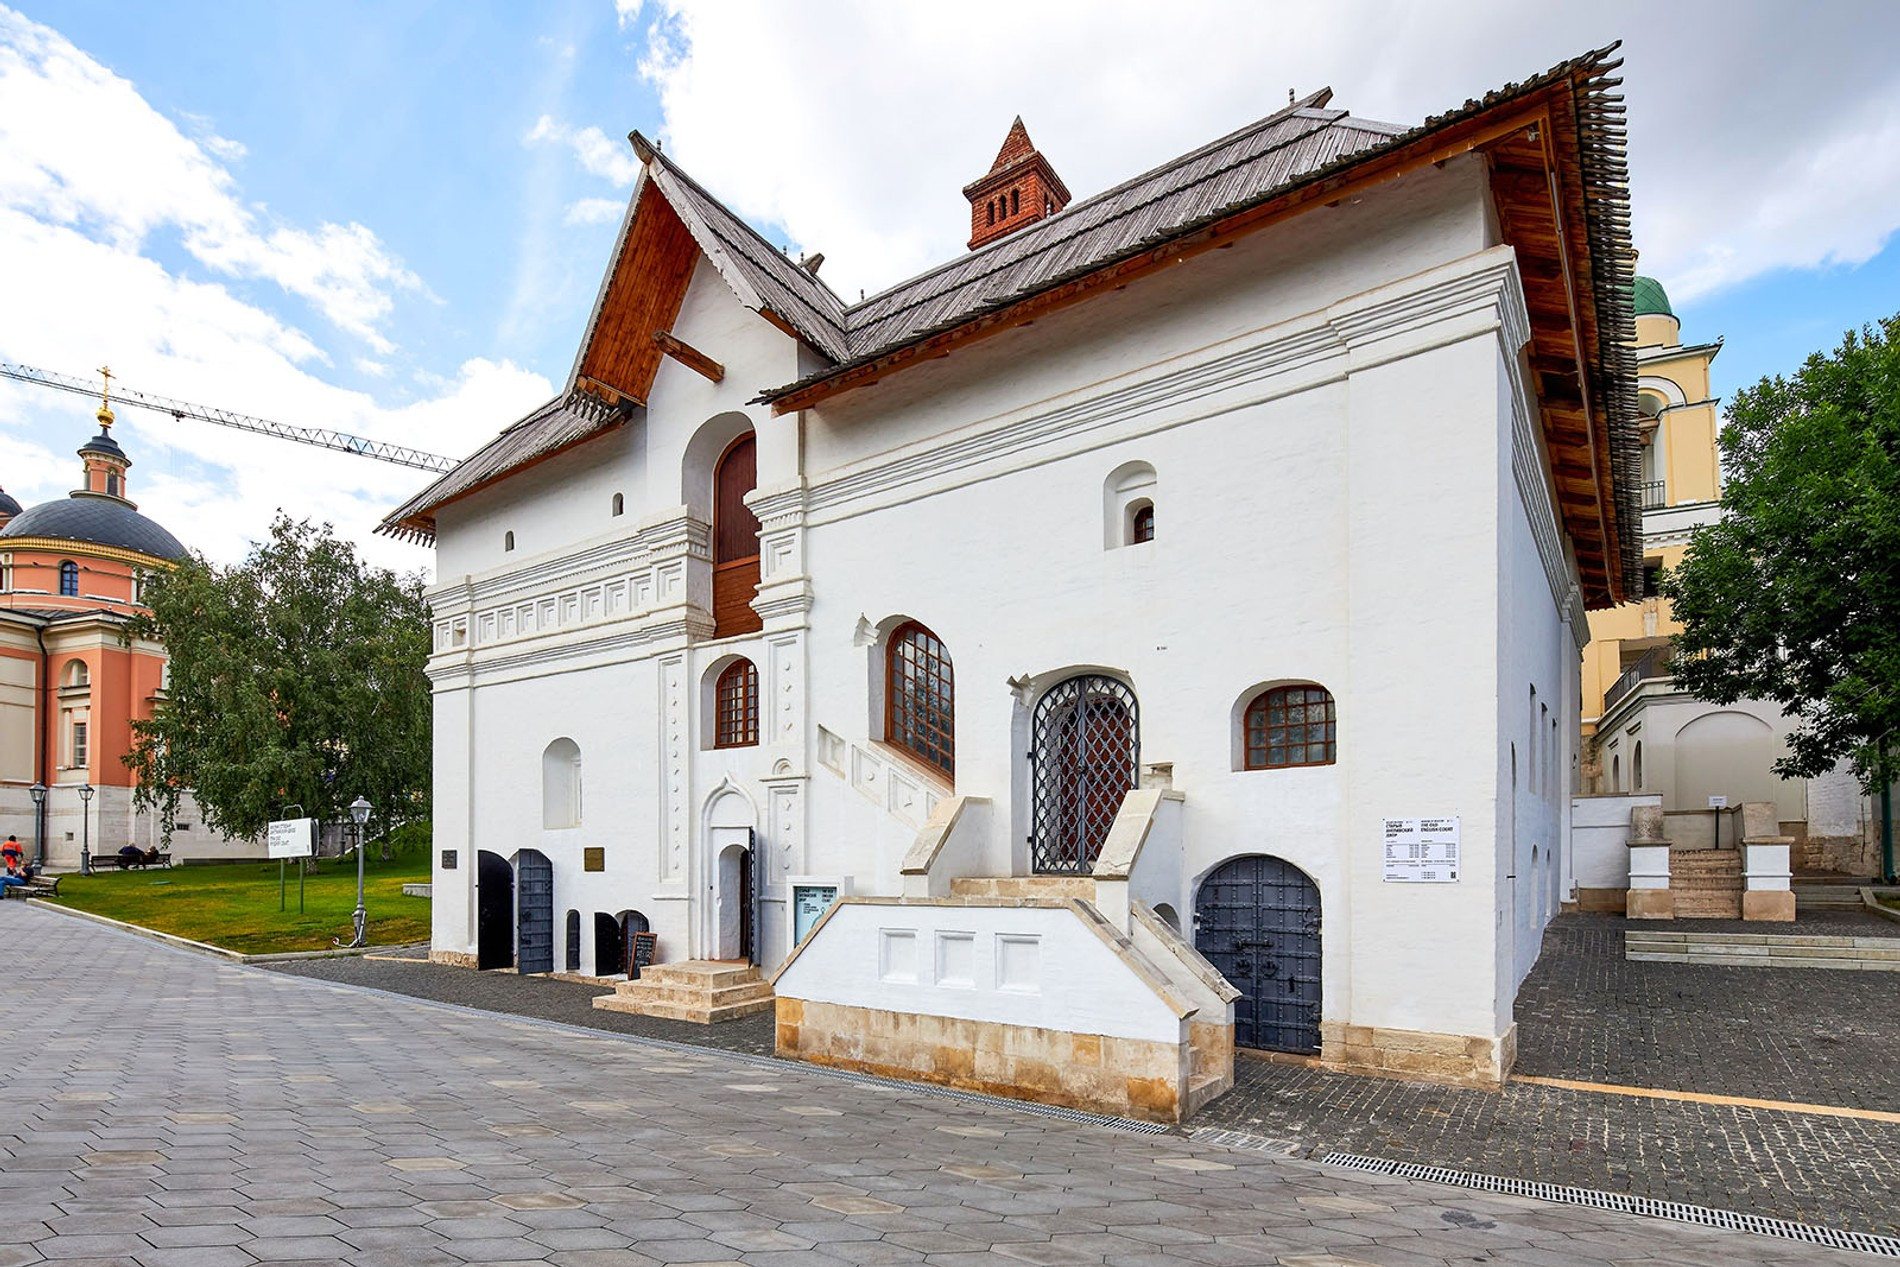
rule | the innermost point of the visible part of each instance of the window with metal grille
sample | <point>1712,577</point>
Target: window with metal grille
<point>1144,525</point>
<point>1086,752</point>
<point>736,701</point>
<point>1291,726</point>
<point>69,579</point>
<point>920,697</point>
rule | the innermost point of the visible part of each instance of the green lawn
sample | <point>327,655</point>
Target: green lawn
<point>235,905</point>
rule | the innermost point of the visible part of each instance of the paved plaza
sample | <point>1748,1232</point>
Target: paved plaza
<point>167,1109</point>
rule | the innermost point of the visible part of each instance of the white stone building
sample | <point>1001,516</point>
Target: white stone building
<point>1122,576</point>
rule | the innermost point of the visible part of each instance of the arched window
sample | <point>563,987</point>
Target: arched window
<point>735,541</point>
<point>920,697</point>
<point>112,483</point>
<point>561,784</point>
<point>1636,768</point>
<point>69,579</point>
<point>1291,726</point>
<point>507,541</point>
<point>992,208</point>
<point>736,705</point>
<point>1616,774</point>
<point>620,504</point>
<point>1143,526</point>
<point>77,673</point>
<point>1015,201</point>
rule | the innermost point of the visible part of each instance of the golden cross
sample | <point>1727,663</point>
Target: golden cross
<point>105,389</point>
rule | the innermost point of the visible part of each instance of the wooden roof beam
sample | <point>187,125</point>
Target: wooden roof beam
<point>689,356</point>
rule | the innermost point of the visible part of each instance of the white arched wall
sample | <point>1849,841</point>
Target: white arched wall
<point>701,456</point>
<point>1726,753</point>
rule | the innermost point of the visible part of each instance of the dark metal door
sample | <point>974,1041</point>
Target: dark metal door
<point>494,911</point>
<point>1085,745</point>
<point>610,949</point>
<point>749,899</point>
<point>1257,921</point>
<point>534,912</point>
<point>573,951</point>
<point>631,922</point>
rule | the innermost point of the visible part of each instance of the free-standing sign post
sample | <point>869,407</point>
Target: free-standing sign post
<point>1421,850</point>
<point>291,838</point>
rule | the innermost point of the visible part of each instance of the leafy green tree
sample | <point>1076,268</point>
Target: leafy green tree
<point>296,678</point>
<point>1794,595</point>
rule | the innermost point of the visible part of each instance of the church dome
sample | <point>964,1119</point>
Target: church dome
<point>1651,299</point>
<point>8,506</point>
<point>103,521</point>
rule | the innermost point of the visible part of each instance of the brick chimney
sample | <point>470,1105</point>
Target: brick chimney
<point>1021,188</point>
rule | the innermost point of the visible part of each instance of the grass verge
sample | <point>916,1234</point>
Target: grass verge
<point>234,905</point>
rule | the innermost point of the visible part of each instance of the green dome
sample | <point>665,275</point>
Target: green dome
<point>1651,299</point>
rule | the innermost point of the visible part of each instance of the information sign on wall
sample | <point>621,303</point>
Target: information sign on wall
<point>1421,850</point>
<point>809,904</point>
<point>292,837</point>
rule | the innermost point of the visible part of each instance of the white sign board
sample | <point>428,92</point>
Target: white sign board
<point>1718,802</point>
<point>292,837</point>
<point>1421,850</point>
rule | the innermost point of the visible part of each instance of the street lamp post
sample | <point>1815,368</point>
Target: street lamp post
<point>39,825</point>
<point>359,919</point>
<point>85,828</point>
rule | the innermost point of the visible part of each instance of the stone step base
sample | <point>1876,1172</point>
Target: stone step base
<point>702,991</point>
<point>1764,950</point>
<point>1056,886</point>
<point>1708,908</point>
<point>1201,1089</point>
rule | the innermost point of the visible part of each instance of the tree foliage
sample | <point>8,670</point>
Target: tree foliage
<point>296,678</point>
<point>1794,595</point>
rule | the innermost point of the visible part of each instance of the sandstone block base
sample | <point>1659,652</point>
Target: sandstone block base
<point>1650,904</point>
<point>452,958</point>
<point>1768,904</point>
<point>1606,901</point>
<point>1155,1081</point>
<point>1459,1059</point>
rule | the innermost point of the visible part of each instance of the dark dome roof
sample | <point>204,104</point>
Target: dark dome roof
<point>7,505</point>
<point>104,443</point>
<point>99,520</point>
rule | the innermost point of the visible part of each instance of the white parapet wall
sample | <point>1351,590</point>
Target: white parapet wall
<point>1036,998</point>
<point>1599,847</point>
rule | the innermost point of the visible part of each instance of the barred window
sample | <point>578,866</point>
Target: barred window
<point>920,697</point>
<point>1291,726</point>
<point>737,706</point>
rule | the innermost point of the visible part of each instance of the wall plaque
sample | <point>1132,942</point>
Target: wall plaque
<point>593,858</point>
<point>809,903</point>
<point>448,859</point>
<point>1421,850</point>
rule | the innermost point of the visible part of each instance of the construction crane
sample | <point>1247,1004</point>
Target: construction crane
<point>321,437</point>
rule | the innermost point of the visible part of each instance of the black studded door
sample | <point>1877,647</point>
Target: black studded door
<point>1257,921</point>
<point>534,912</point>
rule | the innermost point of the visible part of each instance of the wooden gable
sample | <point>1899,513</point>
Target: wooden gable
<point>641,300</point>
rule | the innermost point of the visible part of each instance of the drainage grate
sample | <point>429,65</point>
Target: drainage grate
<point>1701,1215</point>
<point>1251,1143</point>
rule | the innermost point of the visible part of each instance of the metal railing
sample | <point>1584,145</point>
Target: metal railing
<point>1654,496</point>
<point>1653,664</point>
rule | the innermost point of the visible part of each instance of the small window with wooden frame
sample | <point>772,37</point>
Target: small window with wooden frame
<point>920,697</point>
<point>736,706</point>
<point>1141,525</point>
<point>735,531</point>
<point>1289,726</point>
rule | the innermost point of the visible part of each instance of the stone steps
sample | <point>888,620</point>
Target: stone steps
<point>1826,897</point>
<point>703,991</point>
<point>1764,950</point>
<point>1008,886</point>
<point>1706,883</point>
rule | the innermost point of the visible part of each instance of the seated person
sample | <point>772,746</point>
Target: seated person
<point>13,875</point>
<point>131,856</point>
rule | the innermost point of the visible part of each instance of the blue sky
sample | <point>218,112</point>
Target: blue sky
<point>392,218</point>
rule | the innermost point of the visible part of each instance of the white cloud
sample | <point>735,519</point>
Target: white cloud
<point>628,11</point>
<point>73,225</point>
<point>79,146</point>
<point>612,161</point>
<point>1742,161</point>
<point>593,211</point>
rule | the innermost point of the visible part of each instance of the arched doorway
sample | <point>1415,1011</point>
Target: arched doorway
<point>610,950</point>
<point>1257,920</point>
<point>534,912</point>
<point>631,922</point>
<point>494,911</point>
<point>736,902</point>
<point>573,953</point>
<point>735,533</point>
<point>1085,745</point>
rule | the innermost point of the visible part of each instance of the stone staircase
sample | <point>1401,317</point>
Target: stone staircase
<point>990,888</point>
<point>703,991</point>
<point>1764,950</point>
<point>1812,896</point>
<point>1706,883</point>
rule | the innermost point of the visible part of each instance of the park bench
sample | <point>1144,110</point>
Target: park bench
<point>38,886</point>
<point>101,862</point>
